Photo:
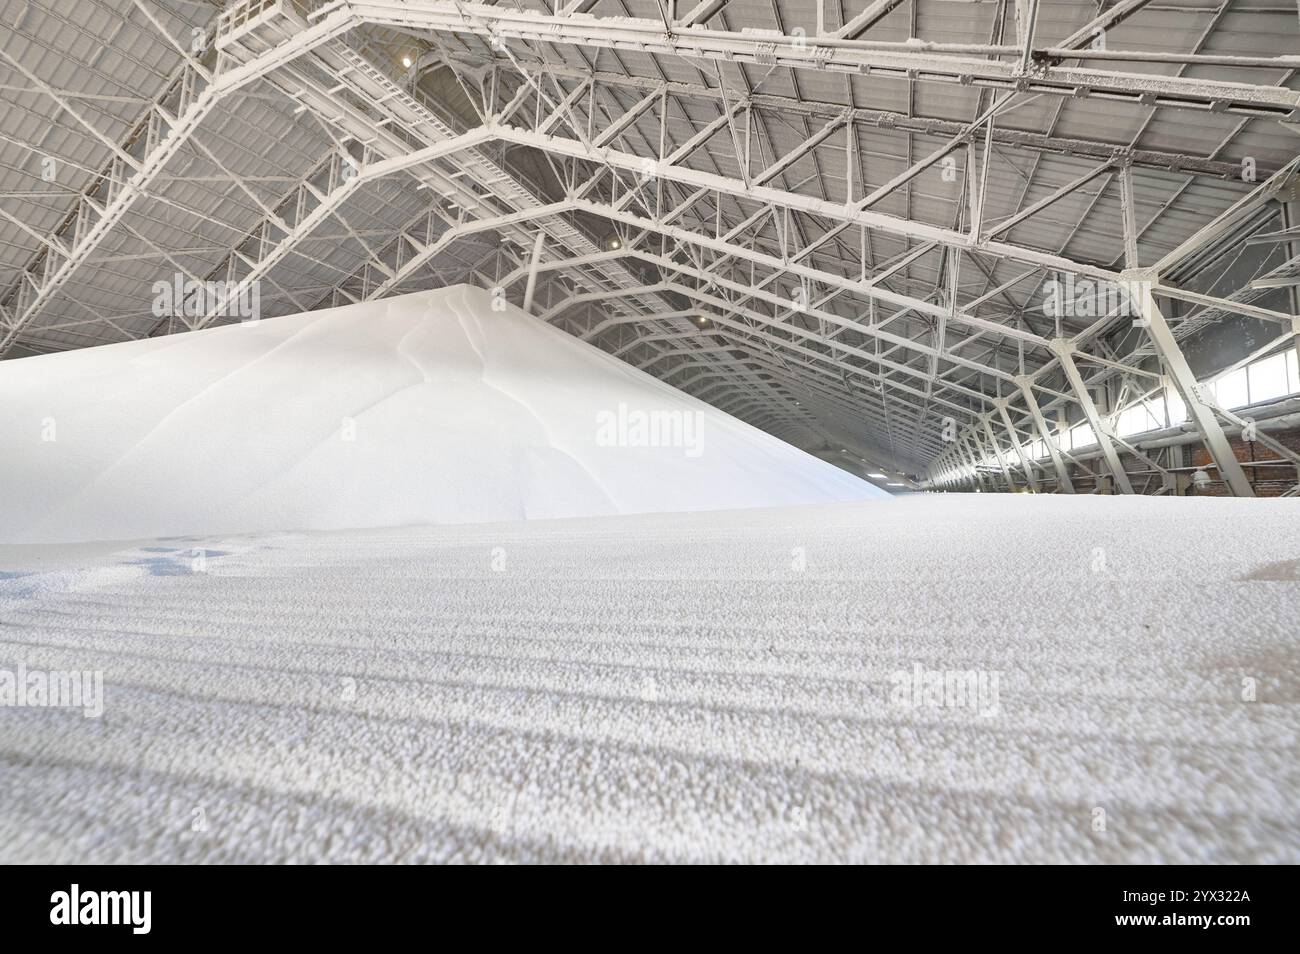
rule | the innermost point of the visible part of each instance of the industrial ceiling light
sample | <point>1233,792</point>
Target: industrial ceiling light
<point>702,320</point>
<point>614,243</point>
<point>406,61</point>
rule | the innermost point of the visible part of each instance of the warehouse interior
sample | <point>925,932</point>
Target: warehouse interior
<point>1028,250</point>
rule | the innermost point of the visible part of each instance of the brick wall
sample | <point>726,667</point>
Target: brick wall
<point>1268,482</point>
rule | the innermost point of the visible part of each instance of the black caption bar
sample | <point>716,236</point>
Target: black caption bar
<point>332,906</point>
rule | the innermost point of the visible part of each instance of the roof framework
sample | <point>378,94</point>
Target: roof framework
<point>878,228</point>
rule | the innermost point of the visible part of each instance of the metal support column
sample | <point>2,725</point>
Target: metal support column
<point>997,452</point>
<point>1065,352</point>
<point>1062,471</point>
<point>532,271</point>
<point>1025,465</point>
<point>976,479</point>
<point>1201,413</point>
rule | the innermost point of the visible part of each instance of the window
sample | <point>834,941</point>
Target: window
<point>1268,378</point>
<point>1232,390</point>
<point>1177,409</point>
<point>1157,408</point>
<point>1135,419</point>
<point>1272,377</point>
